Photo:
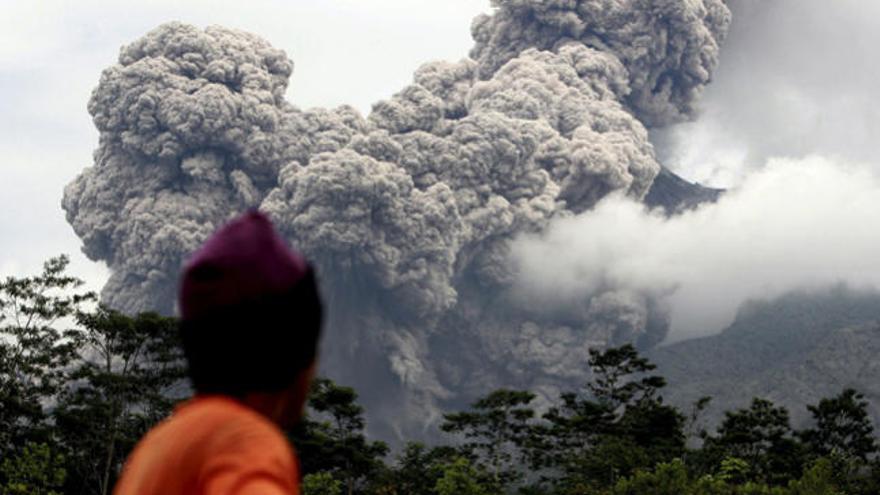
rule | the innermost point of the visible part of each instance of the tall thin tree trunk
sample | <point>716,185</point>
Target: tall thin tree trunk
<point>111,446</point>
<point>108,462</point>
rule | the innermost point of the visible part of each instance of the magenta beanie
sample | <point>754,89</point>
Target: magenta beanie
<point>242,260</point>
<point>250,310</point>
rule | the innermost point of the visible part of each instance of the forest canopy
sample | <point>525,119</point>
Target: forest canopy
<point>80,384</point>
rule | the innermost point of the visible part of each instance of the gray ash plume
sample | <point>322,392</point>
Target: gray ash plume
<point>408,212</point>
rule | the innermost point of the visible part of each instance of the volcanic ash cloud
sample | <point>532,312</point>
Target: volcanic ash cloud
<point>796,224</point>
<point>408,212</point>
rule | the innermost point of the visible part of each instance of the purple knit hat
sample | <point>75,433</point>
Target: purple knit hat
<point>245,259</point>
<point>250,310</point>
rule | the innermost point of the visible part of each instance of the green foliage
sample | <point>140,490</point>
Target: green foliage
<point>817,480</point>
<point>321,484</point>
<point>734,470</point>
<point>666,479</point>
<point>673,479</point>
<point>842,427</point>
<point>34,354</point>
<point>123,382</point>
<point>331,439</point>
<point>618,377</point>
<point>460,477</point>
<point>618,437</point>
<point>36,470</point>
<point>417,469</point>
<point>74,402</point>
<point>108,380</point>
<point>494,429</point>
<point>617,425</point>
<point>762,437</point>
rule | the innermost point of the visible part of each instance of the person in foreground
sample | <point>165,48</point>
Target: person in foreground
<point>250,321</point>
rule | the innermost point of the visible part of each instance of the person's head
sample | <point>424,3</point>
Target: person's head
<point>251,318</point>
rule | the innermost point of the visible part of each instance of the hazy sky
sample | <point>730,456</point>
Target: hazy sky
<point>797,77</point>
<point>793,112</point>
<point>52,53</point>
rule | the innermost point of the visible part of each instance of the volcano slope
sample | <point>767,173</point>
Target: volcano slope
<point>794,350</point>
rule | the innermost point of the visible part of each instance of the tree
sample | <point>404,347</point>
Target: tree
<point>817,480</point>
<point>843,427</point>
<point>417,468</point>
<point>331,437</point>
<point>762,437</point>
<point>34,355</point>
<point>123,382</point>
<point>321,484</point>
<point>734,470</point>
<point>694,427</point>
<point>673,478</point>
<point>461,478</point>
<point>569,433</point>
<point>616,425</point>
<point>665,479</point>
<point>495,428</point>
<point>619,377</point>
<point>36,470</point>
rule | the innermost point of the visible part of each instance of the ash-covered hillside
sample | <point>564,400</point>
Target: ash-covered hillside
<point>793,350</point>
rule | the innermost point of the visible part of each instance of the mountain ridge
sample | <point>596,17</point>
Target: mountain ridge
<point>794,350</point>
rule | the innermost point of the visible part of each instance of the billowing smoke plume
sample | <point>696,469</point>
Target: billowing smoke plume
<point>409,213</point>
<point>669,47</point>
<point>798,223</point>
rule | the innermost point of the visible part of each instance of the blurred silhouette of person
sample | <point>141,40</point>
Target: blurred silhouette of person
<point>250,322</point>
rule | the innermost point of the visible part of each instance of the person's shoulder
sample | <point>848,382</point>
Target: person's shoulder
<point>243,447</point>
<point>211,445</point>
<point>231,423</point>
<point>235,432</point>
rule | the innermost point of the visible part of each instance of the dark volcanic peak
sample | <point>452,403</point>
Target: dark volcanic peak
<point>675,195</point>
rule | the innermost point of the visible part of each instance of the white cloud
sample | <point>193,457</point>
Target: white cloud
<point>796,223</point>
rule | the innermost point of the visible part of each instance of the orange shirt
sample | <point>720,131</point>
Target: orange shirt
<point>211,445</point>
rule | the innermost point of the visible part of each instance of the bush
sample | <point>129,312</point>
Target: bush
<point>321,484</point>
<point>35,471</point>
